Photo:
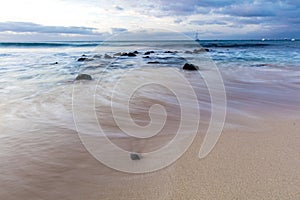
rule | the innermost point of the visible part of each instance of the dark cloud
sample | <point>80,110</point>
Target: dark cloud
<point>27,27</point>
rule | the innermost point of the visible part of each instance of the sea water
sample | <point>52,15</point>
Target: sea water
<point>37,79</point>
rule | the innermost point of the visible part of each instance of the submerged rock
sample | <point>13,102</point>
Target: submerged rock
<point>124,54</point>
<point>200,50</point>
<point>106,56</point>
<point>118,54</point>
<point>84,59</point>
<point>135,156</point>
<point>81,59</point>
<point>136,52</point>
<point>97,56</point>
<point>188,66</point>
<point>130,54</point>
<point>153,62</point>
<point>148,52</point>
<point>168,52</point>
<point>83,77</point>
<point>146,57</point>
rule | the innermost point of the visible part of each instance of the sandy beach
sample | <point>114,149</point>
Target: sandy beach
<point>258,160</point>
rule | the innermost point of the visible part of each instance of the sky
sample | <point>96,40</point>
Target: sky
<point>54,20</point>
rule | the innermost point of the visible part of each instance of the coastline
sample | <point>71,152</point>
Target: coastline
<point>42,156</point>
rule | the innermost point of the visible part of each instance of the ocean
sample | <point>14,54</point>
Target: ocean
<point>31,69</point>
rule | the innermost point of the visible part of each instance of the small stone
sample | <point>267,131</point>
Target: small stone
<point>168,52</point>
<point>146,57</point>
<point>135,156</point>
<point>188,66</point>
<point>84,59</point>
<point>136,52</point>
<point>81,59</point>
<point>83,77</point>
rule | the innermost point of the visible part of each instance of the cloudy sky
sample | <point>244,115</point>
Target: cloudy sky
<point>32,20</point>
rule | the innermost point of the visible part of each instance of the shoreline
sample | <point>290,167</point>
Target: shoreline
<point>245,163</point>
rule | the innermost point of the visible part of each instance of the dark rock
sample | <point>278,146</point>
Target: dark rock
<point>168,52</point>
<point>135,156</point>
<point>81,59</point>
<point>200,50</point>
<point>118,54</point>
<point>106,56</point>
<point>146,57</point>
<point>188,66</point>
<point>83,55</point>
<point>130,54</point>
<point>83,77</point>
<point>97,56</point>
<point>153,62</point>
<point>188,52</point>
<point>136,52</point>
<point>84,59</point>
<point>148,52</point>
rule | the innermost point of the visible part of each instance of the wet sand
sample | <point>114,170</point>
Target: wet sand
<point>256,157</point>
<point>259,160</point>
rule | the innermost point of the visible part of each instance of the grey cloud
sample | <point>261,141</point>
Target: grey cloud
<point>249,10</point>
<point>119,8</point>
<point>162,8</point>
<point>118,30</point>
<point>178,21</point>
<point>269,15</point>
<point>208,22</point>
<point>22,27</point>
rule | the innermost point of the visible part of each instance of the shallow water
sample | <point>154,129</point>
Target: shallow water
<point>37,79</point>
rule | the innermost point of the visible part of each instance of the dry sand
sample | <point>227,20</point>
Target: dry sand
<point>258,160</point>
